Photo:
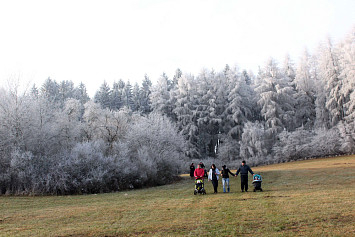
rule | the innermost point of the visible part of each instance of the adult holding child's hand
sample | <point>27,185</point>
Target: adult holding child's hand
<point>243,170</point>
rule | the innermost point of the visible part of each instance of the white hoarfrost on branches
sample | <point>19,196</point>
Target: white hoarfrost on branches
<point>55,140</point>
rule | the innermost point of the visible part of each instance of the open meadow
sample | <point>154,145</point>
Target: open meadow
<point>307,198</point>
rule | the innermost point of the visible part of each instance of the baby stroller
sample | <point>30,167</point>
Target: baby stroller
<point>257,182</point>
<point>199,187</point>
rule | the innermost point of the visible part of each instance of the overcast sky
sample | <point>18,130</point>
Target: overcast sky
<point>92,41</point>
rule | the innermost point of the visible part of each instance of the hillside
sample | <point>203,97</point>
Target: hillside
<point>313,197</point>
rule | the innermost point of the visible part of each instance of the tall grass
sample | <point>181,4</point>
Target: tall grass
<point>307,198</point>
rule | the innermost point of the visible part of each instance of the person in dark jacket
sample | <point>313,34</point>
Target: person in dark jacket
<point>243,170</point>
<point>225,177</point>
<point>203,167</point>
<point>192,170</point>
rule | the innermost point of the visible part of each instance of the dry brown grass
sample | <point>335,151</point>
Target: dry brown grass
<point>306,198</point>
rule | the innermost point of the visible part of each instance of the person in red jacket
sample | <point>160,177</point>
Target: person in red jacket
<point>199,172</point>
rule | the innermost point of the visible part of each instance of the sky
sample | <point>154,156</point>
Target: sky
<point>95,41</point>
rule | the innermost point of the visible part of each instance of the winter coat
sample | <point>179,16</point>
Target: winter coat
<point>199,173</point>
<point>210,174</point>
<point>192,170</point>
<point>244,170</point>
<point>226,172</point>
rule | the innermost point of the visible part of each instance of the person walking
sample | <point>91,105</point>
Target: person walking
<point>213,175</point>
<point>203,167</point>
<point>192,170</point>
<point>225,177</point>
<point>243,170</point>
<point>199,173</point>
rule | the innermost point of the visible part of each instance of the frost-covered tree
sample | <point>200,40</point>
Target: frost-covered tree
<point>292,145</point>
<point>275,98</point>
<point>241,108</point>
<point>50,90</point>
<point>347,75</point>
<point>330,74</point>
<point>347,71</point>
<point>253,145</point>
<point>306,92</point>
<point>185,113</point>
<point>241,103</point>
<point>128,100</point>
<point>208,111</point>
<point>34,91</point>
<point>178,74</point>
<point>136,96</point>
<point>103,96</point>
<point>70,127</point>
<point>65,91</point>
<point>80,93</point>
<point>156,148</point>
<point>145,103</point>
<point>117,95</point>
<point>103,124</point>
<point>160,98</point>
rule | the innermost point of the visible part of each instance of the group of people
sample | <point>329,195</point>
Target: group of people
<point>213,175</point>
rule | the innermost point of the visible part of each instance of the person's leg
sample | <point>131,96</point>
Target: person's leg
<point>215,186</point>
<point>241,183</point>
<point>246,183</point>
<point>227,183</point>
<point>224,184</point>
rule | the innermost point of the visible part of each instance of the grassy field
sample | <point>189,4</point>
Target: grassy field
<point>306,198</point>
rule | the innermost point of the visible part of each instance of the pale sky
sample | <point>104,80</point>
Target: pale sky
<point>92,41</point>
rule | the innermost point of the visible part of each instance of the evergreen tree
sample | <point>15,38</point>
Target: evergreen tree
<point>347,75</point>
<point>275,98</point>
<point>330,73</point>
<point>305,108</point>
<point>136,93</point>
<point>178,74</point>
<point>128,96</point>
<point>184,112</point>
<point>103,96</point>
<point>161,99</point>
<point>117,95</point>
<point>34,91</point>
<point>66,91</point>
<point>145,104</point>
<point>80,93</point>
<point>50,90</point>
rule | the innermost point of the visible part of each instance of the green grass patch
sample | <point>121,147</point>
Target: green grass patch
<point>309,198</point>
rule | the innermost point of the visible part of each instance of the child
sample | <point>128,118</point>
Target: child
<point>257,182</point>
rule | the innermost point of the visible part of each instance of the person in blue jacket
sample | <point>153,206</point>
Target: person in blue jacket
<point>243,170</point>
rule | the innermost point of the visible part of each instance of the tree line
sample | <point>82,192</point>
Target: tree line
<point>57,140</point>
